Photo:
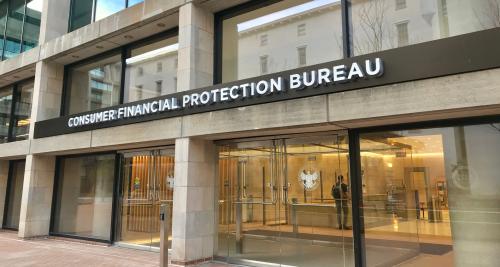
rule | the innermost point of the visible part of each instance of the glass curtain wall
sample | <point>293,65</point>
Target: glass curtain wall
<point>281,36</point>
<point>94,85</point>
<point>276,202</point>
<point>14,195</point>
<point>432,196</point>
<point>385,24</point>
<point>84,12</point>
<point>19,26</point>
<point>151,70</point>
<point>83,205</point>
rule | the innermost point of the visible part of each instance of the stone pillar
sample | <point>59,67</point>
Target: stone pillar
<point>47,92</point>
<point>40,170</point>
<point>193,226</point>
<point>4,173</point>
<point>196,48</point>
<point>54,20</point>
<point>36,202</point>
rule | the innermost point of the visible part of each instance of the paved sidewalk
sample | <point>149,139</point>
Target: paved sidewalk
<point>51,252</point>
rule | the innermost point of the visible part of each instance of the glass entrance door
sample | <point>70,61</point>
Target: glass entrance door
<point>276,206</point>
<point>147,182</point>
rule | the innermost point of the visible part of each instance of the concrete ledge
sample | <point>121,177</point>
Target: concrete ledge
<point>157,132</point>
<point>470,91</point>
<point>14,150</point>
<point>61,143</point>
<point>291,113</point>
<point>138,21</point>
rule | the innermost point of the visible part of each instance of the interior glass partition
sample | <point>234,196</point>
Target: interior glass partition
<point>147,182</point>
<point>431,196</point>
<point>276,205</point>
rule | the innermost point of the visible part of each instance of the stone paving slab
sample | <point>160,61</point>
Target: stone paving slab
<point>50,252</point>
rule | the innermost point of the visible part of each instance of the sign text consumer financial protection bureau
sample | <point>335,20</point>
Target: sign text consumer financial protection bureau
<point>277,85</point>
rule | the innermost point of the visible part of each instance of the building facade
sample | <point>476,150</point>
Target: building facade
<point>279,133</point>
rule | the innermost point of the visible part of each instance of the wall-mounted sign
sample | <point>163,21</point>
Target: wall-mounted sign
<point>305,80</point>
<point>325,78</point>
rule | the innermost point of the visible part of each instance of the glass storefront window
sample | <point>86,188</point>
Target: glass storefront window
<point>432,193</point>
<point>276,205</point>
<point>84,200</point>
<point>14,195</point>
<point>5,113</point>
<point>385,24</point>
<point>105,8</point>
<point>22,111</point>
<point>151,70</point>
<point>94,85</point>
<point>279,33</point>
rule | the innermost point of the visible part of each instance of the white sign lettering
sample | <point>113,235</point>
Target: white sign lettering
<point>265,87</point>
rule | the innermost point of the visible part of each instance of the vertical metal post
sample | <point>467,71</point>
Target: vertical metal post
<point>164,229</point>
<point>357,199</point>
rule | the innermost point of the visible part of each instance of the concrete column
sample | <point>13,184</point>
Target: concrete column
<point>196,48</point>
<point>47,92</point>
<point>4,173</point>
<point>40,170</point>
<point>54,20</point>
<point>193,226</point>
<point>37,196</point>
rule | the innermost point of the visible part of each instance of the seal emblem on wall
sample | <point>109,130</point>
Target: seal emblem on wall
<point>309,179</point>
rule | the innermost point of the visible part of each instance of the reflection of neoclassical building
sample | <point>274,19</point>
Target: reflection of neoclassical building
<point>291,38</point>
<point>384,24</point>
<point>152,74</point>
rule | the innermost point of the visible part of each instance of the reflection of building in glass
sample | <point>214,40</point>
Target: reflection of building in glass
<point>384,24</point>
<point>278,41</point>
<point>19,26</point>
<point>5,109</point>
<point>102,87</point>
<point>152,74</point>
